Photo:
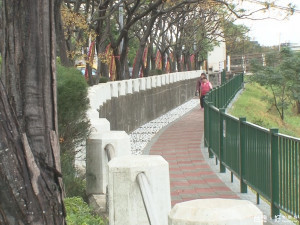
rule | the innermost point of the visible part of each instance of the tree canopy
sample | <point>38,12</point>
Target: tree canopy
<point>282,75</point>
<point>172,32</point>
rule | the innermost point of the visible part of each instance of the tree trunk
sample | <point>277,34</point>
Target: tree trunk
<point>30,178</point>
<point>60,37</point>
<point>298,106</point>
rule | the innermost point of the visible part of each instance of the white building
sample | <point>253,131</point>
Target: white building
<point>216,59</point>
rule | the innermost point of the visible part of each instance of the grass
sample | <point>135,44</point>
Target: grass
<point>253,105</point>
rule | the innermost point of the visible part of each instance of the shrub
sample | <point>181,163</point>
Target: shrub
<point>73,125</point>
<point>103,79</point>
<point>155,72</point>
<point>79,213</point>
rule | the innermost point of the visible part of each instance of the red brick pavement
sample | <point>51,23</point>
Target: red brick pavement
<point>190,176</point>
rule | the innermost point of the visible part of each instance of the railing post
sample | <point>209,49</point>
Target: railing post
<point>274,172</point>
<point>221,141</point>
<point>211,155</point>
<point>223,76</point>
<point>206,119</point>
<point>243,185</point>
<point>217,97</point>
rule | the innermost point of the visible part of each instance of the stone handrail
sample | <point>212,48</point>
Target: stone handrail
<point>147,198</point>
<point>101,93</point>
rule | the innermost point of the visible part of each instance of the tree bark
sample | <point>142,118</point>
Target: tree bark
<point>60,37</point>
<point>30,178</point>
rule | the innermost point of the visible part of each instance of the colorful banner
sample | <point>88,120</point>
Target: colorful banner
<point>90,59</point>
<point>158,63</point>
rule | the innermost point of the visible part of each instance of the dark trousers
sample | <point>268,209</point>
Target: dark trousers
<point>202,101</point>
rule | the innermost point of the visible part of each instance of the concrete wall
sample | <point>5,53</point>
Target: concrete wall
<point>128,104</point>
<point>130,111</point>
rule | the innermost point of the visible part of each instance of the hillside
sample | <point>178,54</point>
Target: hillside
<point>253,104</point>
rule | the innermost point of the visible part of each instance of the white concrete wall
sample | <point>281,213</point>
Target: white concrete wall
<point>99,94</point>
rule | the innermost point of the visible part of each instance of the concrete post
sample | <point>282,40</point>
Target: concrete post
<point>153,81</point>
<point>128,86</point>
<point>158,81</point>
<point>100,125</point>
<point>125,200</point>
<point>121,88</point>
<point>97,125</point>
<point>148,82</point>
<point>114,89</point>
<point>142,83</point>
<point>215,211</point>
<point>96,158</point>
<point>136,85</point>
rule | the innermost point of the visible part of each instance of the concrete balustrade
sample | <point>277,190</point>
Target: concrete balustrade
<point>148,82</point>
<point>158,81</point>
<point>121,88</point>
<point>142,82</point>
<point>128,86</point>
<point>163,79</point>
<point>171,80</point>
<point>153,82</point>
<point>92,114</point>
<point>167,78</point>
<point>96,158</point>
<point>125,201</point>
<point>99,94</point>
<point>106,91</point>
<point>97,125</point>
<point>215,211</point>
<point>114,89</point>
<point>136,85</point>
<point>100,125</point>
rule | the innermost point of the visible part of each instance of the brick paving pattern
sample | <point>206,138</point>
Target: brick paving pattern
<point>190,176</point>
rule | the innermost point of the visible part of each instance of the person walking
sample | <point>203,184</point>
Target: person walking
<point>199,85</point>
<point>205,87</point>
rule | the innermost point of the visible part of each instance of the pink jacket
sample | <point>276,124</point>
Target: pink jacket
<point>205,87</point>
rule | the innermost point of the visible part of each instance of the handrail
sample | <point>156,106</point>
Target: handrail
<point>263,159</point>
<point>147,198</point>
<point>144,188</point>
<point>110,151</point>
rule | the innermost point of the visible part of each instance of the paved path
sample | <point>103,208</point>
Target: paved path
<point>190,175</point>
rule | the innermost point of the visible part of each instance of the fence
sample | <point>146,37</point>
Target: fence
<point>262,159</point>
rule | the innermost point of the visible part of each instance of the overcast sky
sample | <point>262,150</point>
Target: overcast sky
<point>271,32</point>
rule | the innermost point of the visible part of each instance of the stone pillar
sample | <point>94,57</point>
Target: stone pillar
<point>96,158</point>
<point>125,200</point>
<point>215,211</point>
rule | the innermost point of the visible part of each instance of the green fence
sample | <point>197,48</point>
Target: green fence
<point>262,159</point>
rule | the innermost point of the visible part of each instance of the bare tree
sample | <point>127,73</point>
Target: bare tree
<point>30,178</point>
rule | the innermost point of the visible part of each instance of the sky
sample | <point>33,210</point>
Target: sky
<point>271,32</point>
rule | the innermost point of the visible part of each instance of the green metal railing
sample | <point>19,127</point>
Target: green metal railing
<point>262,159</point>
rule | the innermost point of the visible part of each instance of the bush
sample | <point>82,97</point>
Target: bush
<point>155,72</point>
<point>79,213</point>
<point>103,79</point>
<point>73,125</point>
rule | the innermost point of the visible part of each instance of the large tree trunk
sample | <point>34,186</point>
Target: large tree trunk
<point>60,37</point>
<point>30,178</point>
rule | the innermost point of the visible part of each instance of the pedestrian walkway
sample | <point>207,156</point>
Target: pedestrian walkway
<point>190,175</point>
